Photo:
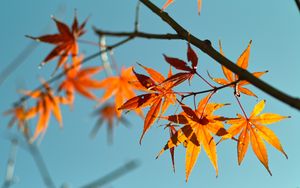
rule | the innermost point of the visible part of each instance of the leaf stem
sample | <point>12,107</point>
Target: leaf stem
<point>240,105</point>
<point>204,80</point>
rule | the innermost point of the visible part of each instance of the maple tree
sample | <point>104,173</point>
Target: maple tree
<point>196,127</point>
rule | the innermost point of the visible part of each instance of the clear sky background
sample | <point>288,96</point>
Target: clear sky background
<point>73,158</point>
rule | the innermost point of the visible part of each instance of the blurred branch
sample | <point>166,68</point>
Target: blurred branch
<point>9,178</point>
<point>39,161</point>
<point>104,56</point>
<point>129,166</point>
<point>206,47</point>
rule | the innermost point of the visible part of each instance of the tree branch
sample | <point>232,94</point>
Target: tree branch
<point>205,46</point>
<point>138,34</point>
<point>298,4</point>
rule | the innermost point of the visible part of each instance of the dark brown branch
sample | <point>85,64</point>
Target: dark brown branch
<point>298,4</point>
<point>138,34</point>
<point>205,46</point>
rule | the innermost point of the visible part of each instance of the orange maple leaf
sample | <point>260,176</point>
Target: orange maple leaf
<point>252,129</point>
<point>159,98</point>
<point>199,125</point>
<point>79,80</point>
<point>121,87</point>
<point>65,41</point>
<point>46,103</point>
<point>20,116</point>
<point>199,3</point>
<point>231,77</point>
<point>107,113</point>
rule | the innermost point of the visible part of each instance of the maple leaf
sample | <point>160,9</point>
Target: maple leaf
<point>172,131</point>
<point>168,2</point>
<point>46,104</point>
<point>20,116</point>
<point>65,41</point>
<point>252,129</point>
<point>121,87</point>
<point>159,98</point>
<point>107,113</point>
<point>79,80</point>
<point>242,62</point>
<point>199,125</point>
<point>182,65</point>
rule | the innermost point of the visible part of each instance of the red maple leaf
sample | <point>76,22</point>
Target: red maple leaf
<point>65,41</point>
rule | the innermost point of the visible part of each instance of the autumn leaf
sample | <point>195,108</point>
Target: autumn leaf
<point>65,41</point>
<point>46,104</point>
<point>199,126</point>
<point>159,98</point>
<point>107,114</point>
<point>188,71</point>
<point>230,77</point>
<point>121,87</point>
<point>199,3</point>
<point>252,129</point>
<point>20,116</point>
<point>172,131</point>
<point>79,80</point>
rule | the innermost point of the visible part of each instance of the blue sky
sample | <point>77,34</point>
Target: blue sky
<point>73,158</point>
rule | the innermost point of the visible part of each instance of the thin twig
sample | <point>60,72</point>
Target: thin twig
<point>215,89</point>
<point>167,36</point>
<point>206,47</point>
<point>240,105</point>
